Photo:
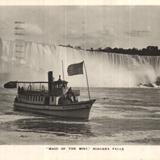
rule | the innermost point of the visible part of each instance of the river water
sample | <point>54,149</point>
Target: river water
<point>119,116</point>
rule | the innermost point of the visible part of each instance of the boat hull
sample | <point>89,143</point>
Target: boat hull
<point>78,110</point>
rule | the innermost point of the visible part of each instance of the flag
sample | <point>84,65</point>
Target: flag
<point>75,69</point>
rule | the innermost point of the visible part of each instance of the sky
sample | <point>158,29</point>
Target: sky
<point>86,26</point>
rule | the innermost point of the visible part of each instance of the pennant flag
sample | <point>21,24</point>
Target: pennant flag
<point>75,69</point>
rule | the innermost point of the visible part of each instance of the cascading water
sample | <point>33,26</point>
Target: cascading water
<point>104,69</point>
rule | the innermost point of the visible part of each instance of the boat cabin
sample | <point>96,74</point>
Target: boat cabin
<point>48,93</point>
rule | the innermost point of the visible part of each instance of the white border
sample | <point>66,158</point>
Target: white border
<point>41,152</point>
<point>79,2</point>
<point>37,152</point>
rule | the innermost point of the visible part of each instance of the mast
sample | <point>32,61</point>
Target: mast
<point>50,81</point>
<point>89,96</point>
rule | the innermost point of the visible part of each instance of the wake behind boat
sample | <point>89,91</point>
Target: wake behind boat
<point>57,100</point>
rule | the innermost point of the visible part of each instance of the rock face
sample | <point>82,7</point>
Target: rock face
<point>104,69</point>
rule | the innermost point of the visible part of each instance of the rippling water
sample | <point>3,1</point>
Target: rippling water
<point>119,116</point>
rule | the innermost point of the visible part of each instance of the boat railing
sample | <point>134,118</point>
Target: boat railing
<point>23,90</point>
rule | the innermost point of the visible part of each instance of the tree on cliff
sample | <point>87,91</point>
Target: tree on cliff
<point>149,50</point>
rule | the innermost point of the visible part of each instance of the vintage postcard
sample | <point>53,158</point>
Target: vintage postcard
<point>80,80</point>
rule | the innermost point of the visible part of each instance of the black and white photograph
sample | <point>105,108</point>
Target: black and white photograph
<point>80,75</point>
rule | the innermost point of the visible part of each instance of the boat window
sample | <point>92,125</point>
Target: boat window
<point>52,98</point>
<point>41,98</point>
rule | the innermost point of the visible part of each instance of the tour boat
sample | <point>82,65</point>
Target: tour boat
<point>52,98</point>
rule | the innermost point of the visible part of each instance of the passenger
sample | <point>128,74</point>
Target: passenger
<point>67,98</point>
<point>61,100</point>
<point>19,89</point>
<point>16,99</point>
<point>22,89</point>
<point>29,88</point>
<point>43,88</point>
<point>70,96</point>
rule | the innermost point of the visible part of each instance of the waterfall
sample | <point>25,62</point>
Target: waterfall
<point>104,69</point>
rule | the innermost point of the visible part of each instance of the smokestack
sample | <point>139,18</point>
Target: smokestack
<point>50,80</point>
